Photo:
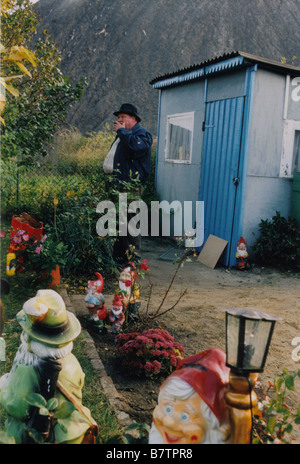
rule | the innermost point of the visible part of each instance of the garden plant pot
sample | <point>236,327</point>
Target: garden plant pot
<point>55,274</point>
<point>31,226</point>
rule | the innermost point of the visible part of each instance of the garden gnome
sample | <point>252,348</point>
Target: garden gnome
<point>94,301</point>
<point>44,364</point>
<point>191,407</point>
<point>116,315</point>
<point>129,290</point>
<point>127,280</point>
<point>242,255</point>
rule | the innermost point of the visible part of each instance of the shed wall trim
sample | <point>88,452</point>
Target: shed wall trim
<point>209,70</point>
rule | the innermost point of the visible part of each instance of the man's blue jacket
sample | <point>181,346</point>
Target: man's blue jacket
<point>133,154</point>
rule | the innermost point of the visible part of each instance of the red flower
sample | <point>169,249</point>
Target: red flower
<point>128,283</point>
<point>144,267</point>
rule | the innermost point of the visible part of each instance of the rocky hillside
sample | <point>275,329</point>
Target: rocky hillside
<point>120,45</point>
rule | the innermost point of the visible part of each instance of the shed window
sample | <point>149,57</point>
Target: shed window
<point>290,157</point>
<point>179,137</point>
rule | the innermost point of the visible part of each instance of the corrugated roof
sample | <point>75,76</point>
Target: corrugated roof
<point>222,63</point>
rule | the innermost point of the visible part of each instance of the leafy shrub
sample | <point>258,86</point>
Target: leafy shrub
<point>38,255</point>
<point>279,242</point>
<point>76,228</point>
<point>274,421</point>
<point>149,353</point>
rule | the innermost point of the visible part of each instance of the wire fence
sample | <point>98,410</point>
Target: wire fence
<point>73,164</point>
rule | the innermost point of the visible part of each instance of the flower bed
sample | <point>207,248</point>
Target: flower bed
<point>149,353</point>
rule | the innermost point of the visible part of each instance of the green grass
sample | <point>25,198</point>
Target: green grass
<point>93,396</point>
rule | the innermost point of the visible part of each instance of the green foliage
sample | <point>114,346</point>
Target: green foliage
<point>75,153</point>
<point>279,242</point>
<point>86,252</point>
<point>133,434</point>
<point>38,256</point>
<point>44,96</point>
<point>275,420</point>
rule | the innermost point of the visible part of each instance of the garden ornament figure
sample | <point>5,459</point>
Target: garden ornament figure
<point>129,290</point>
<point>44,364</point>
<point>116,315</point>
<point>242,255</point>
<point>191,407</point>
<point>204,402</point>
<point>94,301</point>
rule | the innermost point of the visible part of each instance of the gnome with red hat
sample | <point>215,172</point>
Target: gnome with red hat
<point>129,290</point>
<point>116,315</point>
<point>191,407</point>
<point>242,255</point>
<point>94,302</point>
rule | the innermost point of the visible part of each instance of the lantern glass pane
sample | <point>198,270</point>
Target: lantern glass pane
<point>233,325</point>
<point>256,341</point>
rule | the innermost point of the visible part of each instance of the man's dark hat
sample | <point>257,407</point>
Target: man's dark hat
<point>128,108</point>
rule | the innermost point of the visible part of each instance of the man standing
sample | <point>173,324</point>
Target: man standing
<point>129,159</point>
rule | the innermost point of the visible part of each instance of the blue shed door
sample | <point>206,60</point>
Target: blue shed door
<point>220,183</point>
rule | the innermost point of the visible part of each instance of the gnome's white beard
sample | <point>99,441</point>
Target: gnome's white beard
<point>242,253</point>
<point>30,351</point>
<point>177,388</point>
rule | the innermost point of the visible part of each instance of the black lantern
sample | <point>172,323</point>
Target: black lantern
<point>248,337</point>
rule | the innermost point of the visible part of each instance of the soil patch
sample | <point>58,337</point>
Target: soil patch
<point>139,393</point>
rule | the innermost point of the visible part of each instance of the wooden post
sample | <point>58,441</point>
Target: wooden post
<point>241,400</point>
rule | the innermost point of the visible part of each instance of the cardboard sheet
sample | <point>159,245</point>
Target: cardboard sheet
<point>212,251</point>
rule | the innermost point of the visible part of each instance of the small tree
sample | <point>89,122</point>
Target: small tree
<point>12,55</point>
<point>44,96</point>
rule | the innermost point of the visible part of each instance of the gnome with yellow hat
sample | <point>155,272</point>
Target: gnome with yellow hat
<point>44,364</point>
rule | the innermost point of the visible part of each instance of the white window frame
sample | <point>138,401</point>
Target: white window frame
<point>288,141</point>
<point>179,116</point>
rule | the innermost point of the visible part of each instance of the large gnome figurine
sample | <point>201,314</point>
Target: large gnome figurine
<point>191,407</point>
<point>44,364</point>
<point>95,303</point>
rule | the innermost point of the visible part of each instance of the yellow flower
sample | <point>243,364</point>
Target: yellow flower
<point>55,201</point>
<point>178,353</point>
<point>71,193</point>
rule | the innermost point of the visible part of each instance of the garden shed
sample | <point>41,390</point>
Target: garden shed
<point>229,136</point>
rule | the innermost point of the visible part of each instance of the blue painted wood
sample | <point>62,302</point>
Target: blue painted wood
<point>220,165</point>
